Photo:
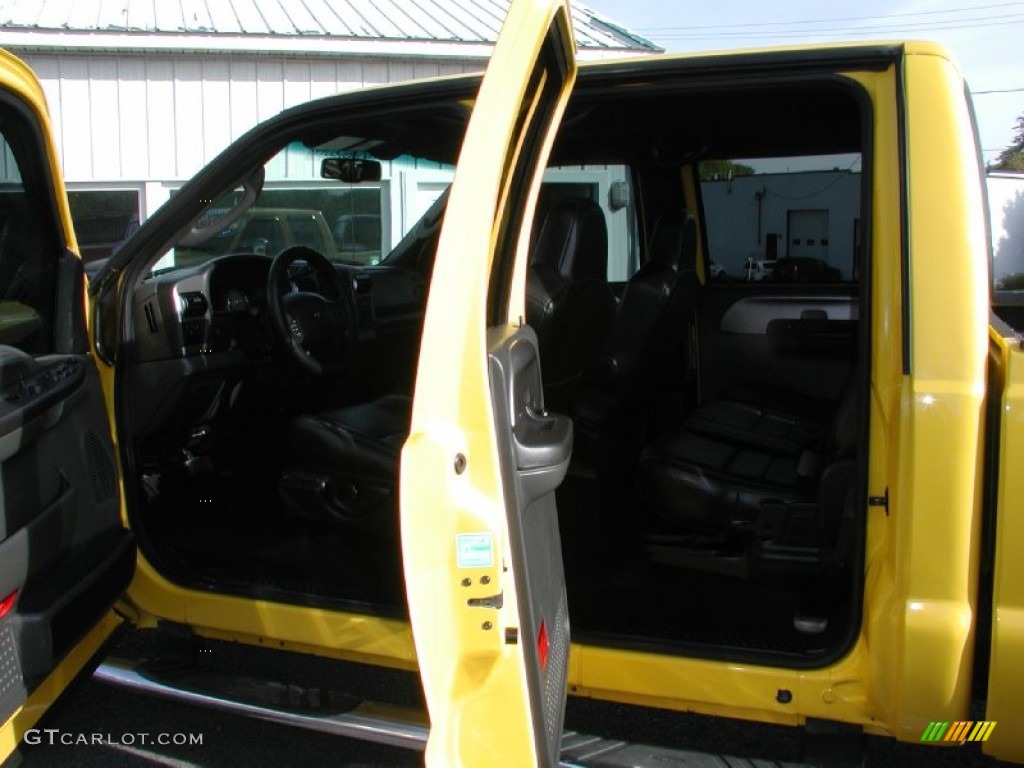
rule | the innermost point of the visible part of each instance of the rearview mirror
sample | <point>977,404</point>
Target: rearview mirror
<point>349,170</point>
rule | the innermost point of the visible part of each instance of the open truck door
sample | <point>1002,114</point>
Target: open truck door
<point>64,554</point>
<point>482,557</point>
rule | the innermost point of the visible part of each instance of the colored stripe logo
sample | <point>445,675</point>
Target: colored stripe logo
<point>960,731</point>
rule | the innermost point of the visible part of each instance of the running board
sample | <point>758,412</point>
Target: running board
<point>385,724</point>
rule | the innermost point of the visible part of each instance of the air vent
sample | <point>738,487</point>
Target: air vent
<point>151,318</point>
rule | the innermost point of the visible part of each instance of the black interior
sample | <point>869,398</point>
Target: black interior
<point>713,504</point>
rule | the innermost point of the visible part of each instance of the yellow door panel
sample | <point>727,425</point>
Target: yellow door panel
<point>479,534</point>
<point>1006,666</point>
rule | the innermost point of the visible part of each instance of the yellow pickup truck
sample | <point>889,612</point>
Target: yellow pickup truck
<point>793,502</point>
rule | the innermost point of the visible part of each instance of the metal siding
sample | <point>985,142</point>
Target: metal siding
<point>104,115</point>
<point>422,69</point>
<point>216,86</point>
<point>399,70</point>
<point>456,68</point>
<point>243,97</point>
<point>76,127</point>
<point>297,91</point>
<point>322,79</point>
<point>134,127</point>
<point>269,102</point>
<point>161,134</point>
<point>188,116</point>
<point>375,71</point>
<point>137,118</point>
<point>349,74</point>
<point>269,88</point>
<point>296,83</point>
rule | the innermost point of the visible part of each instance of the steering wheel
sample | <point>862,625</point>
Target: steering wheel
<point>317,328</point>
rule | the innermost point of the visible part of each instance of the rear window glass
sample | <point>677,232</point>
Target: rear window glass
<point>784,219</point>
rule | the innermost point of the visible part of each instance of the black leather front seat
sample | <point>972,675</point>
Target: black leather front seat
<point>643,354</point>
<point>568,301</point>
<point>343,465</point>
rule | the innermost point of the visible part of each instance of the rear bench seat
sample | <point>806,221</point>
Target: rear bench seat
<point>755,469</point>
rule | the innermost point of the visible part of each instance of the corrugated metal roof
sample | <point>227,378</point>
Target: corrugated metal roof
<point>448,21</point>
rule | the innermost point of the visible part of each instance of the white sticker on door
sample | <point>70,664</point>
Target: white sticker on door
<point>475,550</point>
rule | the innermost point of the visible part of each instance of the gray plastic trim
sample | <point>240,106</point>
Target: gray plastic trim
<point>753,315</point>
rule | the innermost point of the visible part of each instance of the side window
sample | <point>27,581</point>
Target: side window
<point>28,244</point>
<point>786,220</point>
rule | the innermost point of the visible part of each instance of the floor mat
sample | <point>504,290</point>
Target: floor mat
<point>214,529</point>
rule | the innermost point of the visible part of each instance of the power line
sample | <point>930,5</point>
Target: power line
<point>847,31</point>
<point>997,90</point>
<point>834,19</point>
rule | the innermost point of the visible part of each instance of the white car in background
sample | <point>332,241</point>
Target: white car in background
<point>756,270</point>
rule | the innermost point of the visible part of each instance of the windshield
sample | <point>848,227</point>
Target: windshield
<point>349,223</point>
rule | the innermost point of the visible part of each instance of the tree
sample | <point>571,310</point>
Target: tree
<point>1012,158</point>
<point>720,170</point>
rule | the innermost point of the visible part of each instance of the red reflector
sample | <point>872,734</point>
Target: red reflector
<point>542,646</point>
<point>7,604</point>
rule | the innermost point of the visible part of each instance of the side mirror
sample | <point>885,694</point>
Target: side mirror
<point>350,170</point>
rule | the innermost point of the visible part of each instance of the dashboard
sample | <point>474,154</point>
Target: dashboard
<point>203,348</point>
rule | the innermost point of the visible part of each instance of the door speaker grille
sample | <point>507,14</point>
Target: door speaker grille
<point>101,467</point>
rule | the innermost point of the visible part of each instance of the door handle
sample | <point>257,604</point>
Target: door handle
<point>542,440</point>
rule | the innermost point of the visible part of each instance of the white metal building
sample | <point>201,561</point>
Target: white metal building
<point>142,93</point>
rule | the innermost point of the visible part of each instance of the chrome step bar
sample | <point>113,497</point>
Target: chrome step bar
<point>381,724</point>
<point>408,728</point>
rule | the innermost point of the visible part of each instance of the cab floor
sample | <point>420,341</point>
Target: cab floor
<point>214,530</point>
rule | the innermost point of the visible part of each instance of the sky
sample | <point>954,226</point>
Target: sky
<point>985,37</point>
